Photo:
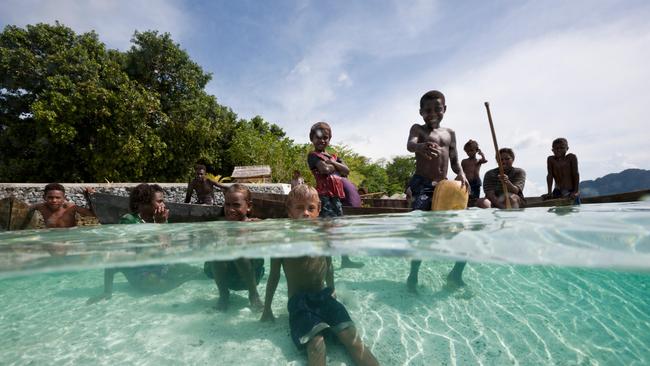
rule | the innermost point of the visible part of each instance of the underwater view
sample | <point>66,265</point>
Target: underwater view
<point>543,286</point>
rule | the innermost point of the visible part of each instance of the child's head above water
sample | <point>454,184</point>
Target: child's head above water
<point>560,147</point>
<point>320,135</point>
<point>303,202</point>
<point>54,195</point>
<point>237,202</point>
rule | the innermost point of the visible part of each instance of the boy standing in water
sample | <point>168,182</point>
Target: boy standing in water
<point>203,186</point>
<point>435,150</point>
<point>312,306</point>
<point>472,167</point>
<point>563,169</point>
<point>242,273</point>
<point>328,170</point>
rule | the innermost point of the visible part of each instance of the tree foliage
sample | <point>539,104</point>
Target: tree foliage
<point>72,110</point>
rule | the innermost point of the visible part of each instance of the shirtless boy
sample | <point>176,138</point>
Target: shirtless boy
<point>312,306</point>
<point>472,167</point>
<point>563,169</point>
<point>203,186</point>
<point>435,149</point>
<point>56,211</point>
<point>242,273</point>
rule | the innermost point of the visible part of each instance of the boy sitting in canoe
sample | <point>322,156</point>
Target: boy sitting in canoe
<point>435,149</point>
<point>55,212</point>
<point>563,169</point>
<point>147,206</point>
<point>203,186</point>
<point>313,308</point>
<point>242,273</point>
<point>514,179</point>
<point>472,167</point>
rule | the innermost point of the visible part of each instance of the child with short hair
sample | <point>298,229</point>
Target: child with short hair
<point>313,307</point>
<point>242,273</point>
<point>435,150</point>
<point>563,169</point>
<point>328,171</point>
<point>56,211</point>
<point>472,167</point>
<point>203,186</point>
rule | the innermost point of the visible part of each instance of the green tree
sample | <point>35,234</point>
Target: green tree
<point>68,112</point>
<point>399,171</point>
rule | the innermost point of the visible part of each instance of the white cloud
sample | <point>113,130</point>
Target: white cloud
<point>588,85</point>
<point>114,21</point>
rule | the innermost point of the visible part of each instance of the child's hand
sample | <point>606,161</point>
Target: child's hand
<point>430,150</point>
<point>160,214</point>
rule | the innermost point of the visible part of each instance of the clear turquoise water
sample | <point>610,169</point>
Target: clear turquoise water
<point>557,287</point>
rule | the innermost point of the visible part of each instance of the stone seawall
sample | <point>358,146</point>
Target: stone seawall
<point>174,192</point>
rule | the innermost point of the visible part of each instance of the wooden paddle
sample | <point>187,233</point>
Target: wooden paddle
<point>498,156</point>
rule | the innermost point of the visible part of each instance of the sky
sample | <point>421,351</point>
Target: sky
<point>575,69</point>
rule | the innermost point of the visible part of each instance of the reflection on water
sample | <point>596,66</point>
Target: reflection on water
<point>507,314</point>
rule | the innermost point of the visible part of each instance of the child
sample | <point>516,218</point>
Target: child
<point>328,170</point>
<point>312,306</point>
<point>297,179</point>
<point>241,273</point>
<point>514,178</point>
<point>472,168</point>
<point>203,186</point>
<point>147,206</point>
<point>56,211</point>
<point>435,149</point>
<point>563,168</point>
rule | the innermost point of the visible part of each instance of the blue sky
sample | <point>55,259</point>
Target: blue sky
<point>577,69</point>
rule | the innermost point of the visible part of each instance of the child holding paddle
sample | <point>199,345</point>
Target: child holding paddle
<point>435,150</point>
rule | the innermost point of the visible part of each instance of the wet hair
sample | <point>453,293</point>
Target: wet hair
<point>302,193</point>
<point>508,151</point>
<point>53,187</point>
<point>469,144</point>
<point>143,193</point>
<point>319,126</point>
<point>560,140</point>
<point>239,188</point>
<point>432,95</point>
<point>199,166</point>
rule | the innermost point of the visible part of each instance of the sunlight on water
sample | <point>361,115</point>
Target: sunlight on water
<point>526,301</point>
<point>608,236</point>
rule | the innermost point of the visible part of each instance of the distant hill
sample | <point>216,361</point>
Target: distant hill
<point>626,181</point>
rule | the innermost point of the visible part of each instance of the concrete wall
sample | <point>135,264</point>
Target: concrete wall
<point>174,192</point>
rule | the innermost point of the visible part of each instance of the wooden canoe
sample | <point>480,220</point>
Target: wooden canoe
<point>13,213</point>
<point>109,208</point>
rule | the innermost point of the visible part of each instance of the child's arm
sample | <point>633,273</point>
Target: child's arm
<point>340,167</point>
<point>271,286</point>
<point>575,175</point>
<point>453,160</point>
<point>427,149</point>
<point>217,184</point>
<point>549,176</point>
<point>188,195</point>
<point>109,274</point>
<point>329,275</point>
<point>483,159</point>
